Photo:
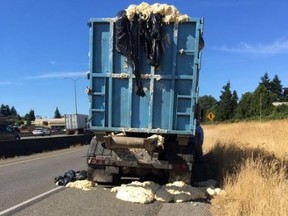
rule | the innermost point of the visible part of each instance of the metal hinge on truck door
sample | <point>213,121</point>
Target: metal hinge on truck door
<point>185,52</point>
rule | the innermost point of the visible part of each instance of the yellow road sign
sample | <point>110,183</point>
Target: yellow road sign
<point>211,116</point>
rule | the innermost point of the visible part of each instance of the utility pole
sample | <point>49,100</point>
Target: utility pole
<point>75,90</point>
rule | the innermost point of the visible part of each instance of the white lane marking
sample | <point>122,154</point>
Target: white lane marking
<point>39,158</point>
<point>30,201</point>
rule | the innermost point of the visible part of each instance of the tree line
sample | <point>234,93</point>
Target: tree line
<point>252,105</point>
<point>6,111</point>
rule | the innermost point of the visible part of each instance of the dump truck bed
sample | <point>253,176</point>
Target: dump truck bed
<point>171,90</point>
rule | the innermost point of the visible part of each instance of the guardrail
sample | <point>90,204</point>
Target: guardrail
<point>37,145</point>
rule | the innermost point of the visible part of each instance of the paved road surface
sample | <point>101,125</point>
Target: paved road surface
<point>25,177</point>
<point>26,180</point>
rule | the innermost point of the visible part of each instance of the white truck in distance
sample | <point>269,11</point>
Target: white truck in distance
<point>75,123</point>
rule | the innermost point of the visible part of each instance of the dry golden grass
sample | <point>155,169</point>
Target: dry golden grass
<point>250,161</point>
<point>272,135</point>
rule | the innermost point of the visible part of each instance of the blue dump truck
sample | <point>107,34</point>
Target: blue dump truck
<point>143,92</point>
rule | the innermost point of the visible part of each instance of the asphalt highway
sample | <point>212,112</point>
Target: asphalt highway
<point>27,188</point>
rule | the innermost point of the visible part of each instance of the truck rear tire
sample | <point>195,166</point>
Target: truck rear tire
<point>180,176</point>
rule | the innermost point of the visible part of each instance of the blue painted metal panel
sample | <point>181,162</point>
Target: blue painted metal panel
<point>171,90</point>
<point>120,103</point>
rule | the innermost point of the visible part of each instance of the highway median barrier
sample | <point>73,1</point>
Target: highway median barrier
<point>41,144</point>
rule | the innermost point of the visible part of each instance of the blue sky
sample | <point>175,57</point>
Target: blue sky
<point>42,42</point>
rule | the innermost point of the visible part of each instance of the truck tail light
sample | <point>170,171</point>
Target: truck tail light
<point>180,166</point>
<point>95,161</point>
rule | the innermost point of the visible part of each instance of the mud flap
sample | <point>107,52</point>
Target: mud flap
<point>102,175</point>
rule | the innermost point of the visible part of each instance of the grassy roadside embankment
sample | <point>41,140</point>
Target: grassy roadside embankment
<point>250,161</point>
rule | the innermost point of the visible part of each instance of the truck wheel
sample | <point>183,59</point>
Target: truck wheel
<point>180,176</point>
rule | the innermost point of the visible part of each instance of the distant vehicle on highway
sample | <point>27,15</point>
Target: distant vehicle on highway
<point>9,133</point>
<point>75,123</point>
<point>41,131</point>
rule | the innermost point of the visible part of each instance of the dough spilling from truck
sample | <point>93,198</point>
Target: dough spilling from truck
<point>169,12</point>
<point>147,192</point>
<point>144,21</point>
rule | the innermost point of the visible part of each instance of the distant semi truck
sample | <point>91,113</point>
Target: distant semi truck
<point>75,123</point>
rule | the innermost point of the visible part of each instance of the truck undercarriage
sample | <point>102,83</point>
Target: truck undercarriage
<point>111,157</point>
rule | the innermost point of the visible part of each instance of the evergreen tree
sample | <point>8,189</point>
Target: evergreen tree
<point>245,106</point>
<point>227,104</point>
<point>276,88</point>
<point>2,110</point>
<point>265,80</point>
<point>5,110</point>
<point>57,113</point>
<point>13,111</point>
<point>234,103</point>
<point>30,117</point>
<point>263,101</point>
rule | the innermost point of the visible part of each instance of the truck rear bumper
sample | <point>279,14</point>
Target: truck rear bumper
<point>153,164</point>
<point>115,170</point>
